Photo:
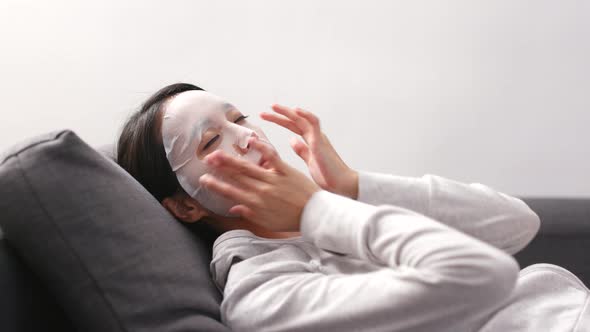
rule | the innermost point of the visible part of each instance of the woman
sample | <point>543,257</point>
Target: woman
<point>348,251</point>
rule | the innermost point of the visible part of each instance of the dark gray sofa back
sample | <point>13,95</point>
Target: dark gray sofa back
<point>564,237</point>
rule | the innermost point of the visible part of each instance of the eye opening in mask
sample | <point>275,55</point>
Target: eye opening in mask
<point>216,137</point>
<point>211,141</point>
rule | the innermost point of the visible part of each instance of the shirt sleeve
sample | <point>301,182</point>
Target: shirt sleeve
<point>433,277</point>
<point>498,219</point>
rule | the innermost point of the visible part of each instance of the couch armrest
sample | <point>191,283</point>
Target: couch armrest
<point>562,216</point>
<point>564,236</point>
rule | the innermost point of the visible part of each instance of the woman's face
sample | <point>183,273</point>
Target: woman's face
<point>196,123</point>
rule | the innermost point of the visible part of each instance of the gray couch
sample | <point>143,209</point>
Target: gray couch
<point>57,273</point>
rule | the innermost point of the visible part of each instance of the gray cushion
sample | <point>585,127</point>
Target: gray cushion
<point>108,150</point>
<point>108,252</point>
<point>24,303</point>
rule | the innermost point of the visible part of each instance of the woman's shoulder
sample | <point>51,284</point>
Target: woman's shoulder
<point>241,236</point>
<point>233,235</point>
<point>243,252</point>
<point>241,244</point>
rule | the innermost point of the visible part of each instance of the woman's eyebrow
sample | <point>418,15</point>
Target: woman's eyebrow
<point>231,113</point>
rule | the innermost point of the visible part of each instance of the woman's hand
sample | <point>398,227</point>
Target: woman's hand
<point>326,167</point>
<point>272,197</point>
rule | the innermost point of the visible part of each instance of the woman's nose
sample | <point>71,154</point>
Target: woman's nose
<point>243,150</point>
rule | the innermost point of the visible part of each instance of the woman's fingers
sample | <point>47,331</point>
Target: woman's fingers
<point>284,110</point>
<point>299,121</point>
<point>225,189</point>
<point>242,211</point>
<point>270,157</point>
<point>281,121</point>
<point>246,174</point>
<point>228,164</point>
<point>311,118</point>
<point>241,180</point>
<point>300,148</point>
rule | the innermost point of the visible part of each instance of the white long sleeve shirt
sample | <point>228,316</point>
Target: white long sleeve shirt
<point>411,254</point>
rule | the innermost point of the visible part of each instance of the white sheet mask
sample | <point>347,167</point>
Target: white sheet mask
<point>187,116</point>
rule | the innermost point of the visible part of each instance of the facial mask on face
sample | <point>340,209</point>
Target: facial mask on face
<point>187,116</point>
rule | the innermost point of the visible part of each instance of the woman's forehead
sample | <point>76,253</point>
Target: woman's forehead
<point>196,111</point>
<point>198,107</point>
<point>198,100</point>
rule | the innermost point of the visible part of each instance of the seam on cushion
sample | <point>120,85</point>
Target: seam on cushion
<point>16,153</point>
<point>63,238</point>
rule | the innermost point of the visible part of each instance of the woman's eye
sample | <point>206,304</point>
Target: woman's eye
<point>210,142</point>
<point>240,118</point>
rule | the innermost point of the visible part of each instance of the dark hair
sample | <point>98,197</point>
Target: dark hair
<point>140,150</point>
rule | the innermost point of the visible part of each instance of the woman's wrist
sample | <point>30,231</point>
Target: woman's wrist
<point>350,186</point>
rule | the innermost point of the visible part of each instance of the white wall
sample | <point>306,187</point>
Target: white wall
<point>496,91</point>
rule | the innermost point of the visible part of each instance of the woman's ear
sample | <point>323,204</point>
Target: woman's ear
<point>184,207</point>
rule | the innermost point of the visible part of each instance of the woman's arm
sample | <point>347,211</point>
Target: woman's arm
<point>434,278</point>
<point>493,217</point>
<point>498,219</point>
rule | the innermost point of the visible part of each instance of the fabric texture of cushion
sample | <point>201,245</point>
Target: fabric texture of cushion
<point>104,247</point>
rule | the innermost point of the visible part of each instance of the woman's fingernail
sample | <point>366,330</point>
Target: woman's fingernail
<point>204,179</point>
